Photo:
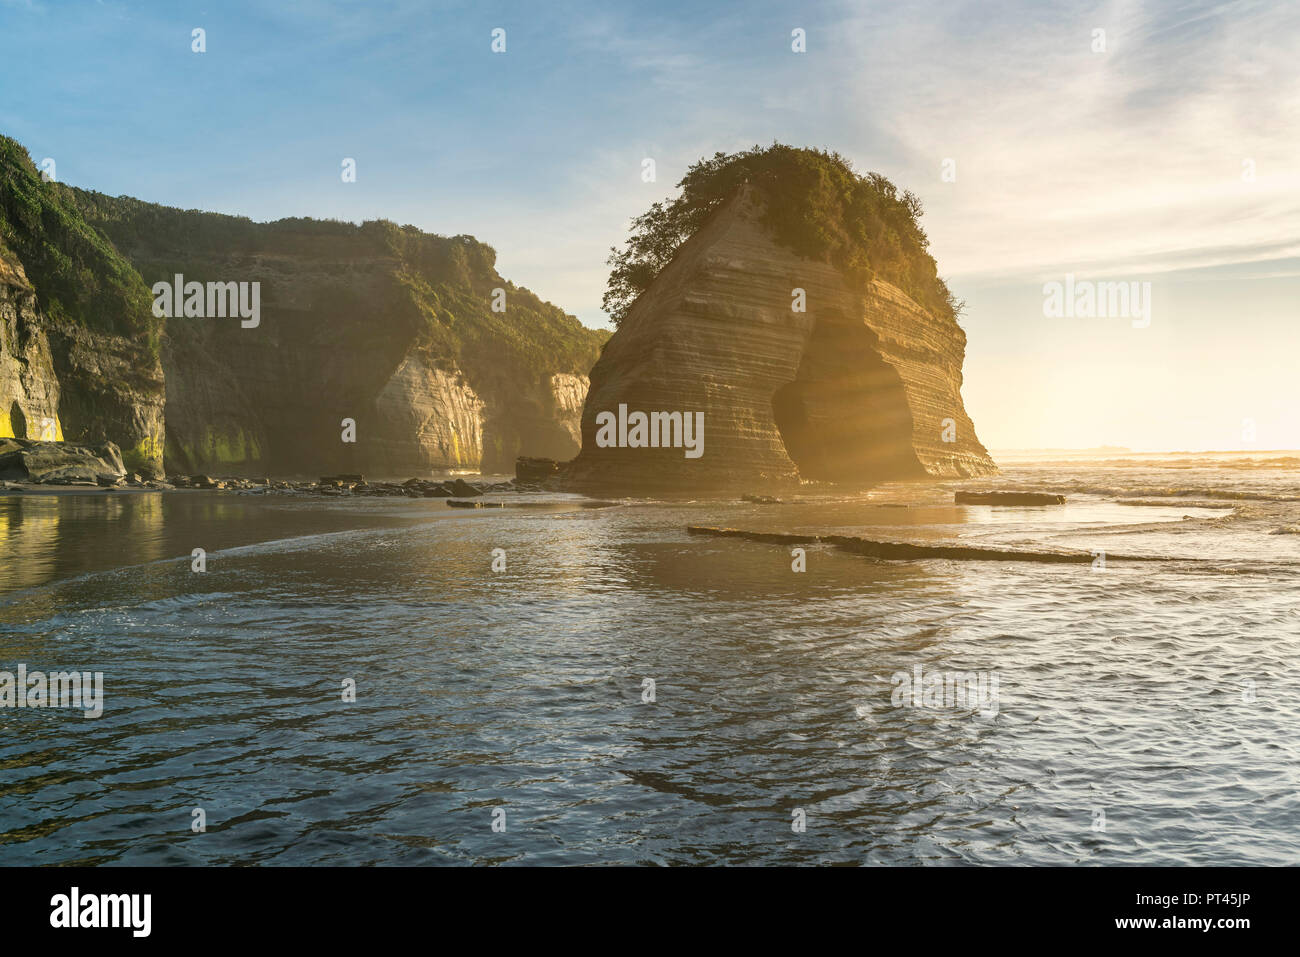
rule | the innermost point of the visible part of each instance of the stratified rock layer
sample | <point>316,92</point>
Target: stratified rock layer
<point>59,379</point>
<point>864,386</point>
<point>377,348</point>
<point>382,325</point>
<point>29,387</point>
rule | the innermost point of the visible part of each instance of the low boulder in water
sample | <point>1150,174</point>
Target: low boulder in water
<point>1008,498</point>
<point>530,470</point>
<point>58,463</point>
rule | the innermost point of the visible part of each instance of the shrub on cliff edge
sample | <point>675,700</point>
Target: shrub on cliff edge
<point>79,276</point>
<point>816,205</point>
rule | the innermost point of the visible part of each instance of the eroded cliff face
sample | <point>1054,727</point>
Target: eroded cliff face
<point>333,342</point>
<point>862,387</point>
<point>29,388</point>
<point>569,394</point>
<point>78,347</point>
<point>382,325</point>
<point>60,380</point>
<point>438,410</point>
<point>375,348</point>
<point>544,419</point>
<point>111,390</point>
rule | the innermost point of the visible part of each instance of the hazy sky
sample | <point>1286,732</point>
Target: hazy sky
<point>1170,157</point>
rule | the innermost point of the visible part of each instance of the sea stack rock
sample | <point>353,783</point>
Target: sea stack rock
<point>862,386</point>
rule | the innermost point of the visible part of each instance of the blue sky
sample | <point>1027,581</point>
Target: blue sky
<point>1126,162</point>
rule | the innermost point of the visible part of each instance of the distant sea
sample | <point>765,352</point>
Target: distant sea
<point>621,692</point>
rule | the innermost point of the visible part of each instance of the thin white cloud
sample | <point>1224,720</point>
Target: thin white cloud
<point>1134,155</point>
<point>1122,162</point>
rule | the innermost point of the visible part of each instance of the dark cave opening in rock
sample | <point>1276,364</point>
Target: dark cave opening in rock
<point>17,421</point>
<point>845,417</point>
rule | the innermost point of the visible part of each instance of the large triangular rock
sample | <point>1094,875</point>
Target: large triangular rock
<point>863,387</point>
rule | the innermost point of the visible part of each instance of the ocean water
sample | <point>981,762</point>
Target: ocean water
<point>1145,712</point>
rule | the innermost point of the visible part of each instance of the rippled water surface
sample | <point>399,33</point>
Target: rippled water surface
<point>1147,712</point>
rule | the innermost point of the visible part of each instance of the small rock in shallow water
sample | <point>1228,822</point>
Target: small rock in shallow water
<point>1008,498</point>
<point>531,470</point>
<point>58,463</point>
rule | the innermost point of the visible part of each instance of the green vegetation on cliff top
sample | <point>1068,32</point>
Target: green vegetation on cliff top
<point>816,205</point>
<point>92,259</point>
<point>442,284</point>
<point>78,275</point>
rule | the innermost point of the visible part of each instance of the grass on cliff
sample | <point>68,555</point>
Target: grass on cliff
<point>79,276</point>
<point>451,280</point>
<point>816,205</point>
<point>438,284</point>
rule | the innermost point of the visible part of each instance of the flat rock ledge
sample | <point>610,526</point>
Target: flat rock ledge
<point>25,464</point>
<point>1008,498</point>
<point>356,486</point>
<point>904,551</point>
<point>60,463</point>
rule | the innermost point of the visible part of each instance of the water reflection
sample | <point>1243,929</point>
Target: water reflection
<point>524,688</point>
<point>51,537</point>
<point>45,537</point>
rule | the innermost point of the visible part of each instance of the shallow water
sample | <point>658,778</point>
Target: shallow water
<point>1161,695</point>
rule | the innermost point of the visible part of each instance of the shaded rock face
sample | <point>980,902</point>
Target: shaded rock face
<point>863,387</point>
<point>110,387</point>
<point>386,327</point>
<point>272,400</point>
<point>331,345</point>
<point>60,380</point>
<point>29,387</point>
<point>545,420</point>
<point>355,325</point>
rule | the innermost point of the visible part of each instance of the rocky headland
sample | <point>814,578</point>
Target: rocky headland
<point>780,323</point>
<point>79,346</point>
<point>28,465</point>
<point>807,359</point>
<point>438,361</point>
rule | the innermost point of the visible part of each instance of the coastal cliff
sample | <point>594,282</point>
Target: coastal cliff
<point>79,347</point>
<point>862,385</point>
<point>29,387</point>
<point>383,325</point>
<point>386,326</point>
